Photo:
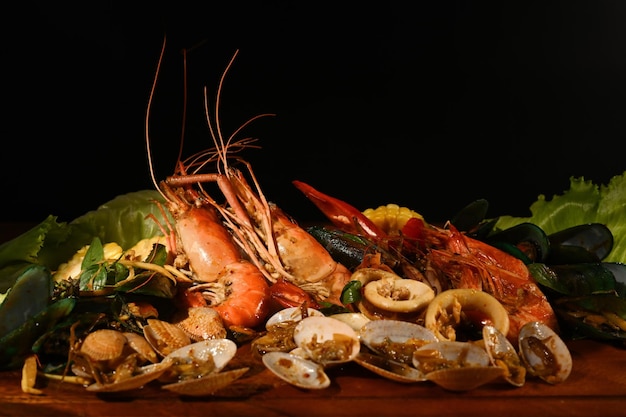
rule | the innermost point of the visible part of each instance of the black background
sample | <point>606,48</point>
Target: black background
<point>429,105</point>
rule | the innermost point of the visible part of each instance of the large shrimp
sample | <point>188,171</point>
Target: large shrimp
<point>451,259</point>
<point>464,262</point>
<point>231,284</point>
<point>279,247</point>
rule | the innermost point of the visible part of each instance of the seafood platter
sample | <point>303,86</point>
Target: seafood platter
<point>201,294</point>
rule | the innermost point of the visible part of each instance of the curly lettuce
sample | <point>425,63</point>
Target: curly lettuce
<point>585,202</point>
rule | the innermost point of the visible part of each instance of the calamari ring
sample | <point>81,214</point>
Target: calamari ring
<point>443,314</point>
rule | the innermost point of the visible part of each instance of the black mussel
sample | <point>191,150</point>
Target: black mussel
<point>526,241</point>
<point>30,294</point>
<point>596,316</point>
<point>582,278</point>
<point>346,248</point>
<point>586,241</point>
<point>17,344</point>
<point>470,216</point>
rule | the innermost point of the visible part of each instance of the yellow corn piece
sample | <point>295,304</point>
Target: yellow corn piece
<point>391,218</point>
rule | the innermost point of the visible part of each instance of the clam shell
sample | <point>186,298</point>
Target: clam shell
<point>388,368</point>
<point>326,340</point>
<point>296,370</point>
<point>218,351</point>
<point>449,354</point>
<point>376,332</point>
<point>290,314</point>
<point>466,378</point>
<point>104,344</point>
<point>145,375</point>
<point>503,354</point>
<point>165,337</point>
<point>207,384</point>
<point>544,353</point>
<point>455,366</point>
<point>354,320</point>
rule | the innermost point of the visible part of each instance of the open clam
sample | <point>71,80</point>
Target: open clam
<point>196,368</point>
<point>455,366</point>
<point>326,340</point>
<point>504,355</point>
<point>141,377</point>
<point>395,339</point>
<point>389,368</point>
<point>296,370</point>
<point>544,353</point>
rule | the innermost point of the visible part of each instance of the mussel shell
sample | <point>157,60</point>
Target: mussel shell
<point>582,278</point>
<point>296,370</point>
<point>526,241</point>
<point>573,313</point>
<point>595,238</point>
<point>544,353</point>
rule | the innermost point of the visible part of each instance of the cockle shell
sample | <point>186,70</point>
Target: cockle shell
<point>165,337</point>
<point>200,323</point>
<point>326,341</point>
<point>296,370</point>
<point>139,344</point>
<point>104,344</point>
<point>544,353</point>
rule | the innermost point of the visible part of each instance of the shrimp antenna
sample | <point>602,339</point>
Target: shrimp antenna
<point>147,124</point>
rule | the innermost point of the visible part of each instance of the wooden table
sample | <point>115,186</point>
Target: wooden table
<point>596,387</point>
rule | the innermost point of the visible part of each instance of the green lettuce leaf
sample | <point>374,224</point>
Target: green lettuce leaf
<point>585,202</point>
<point>123,220</point>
